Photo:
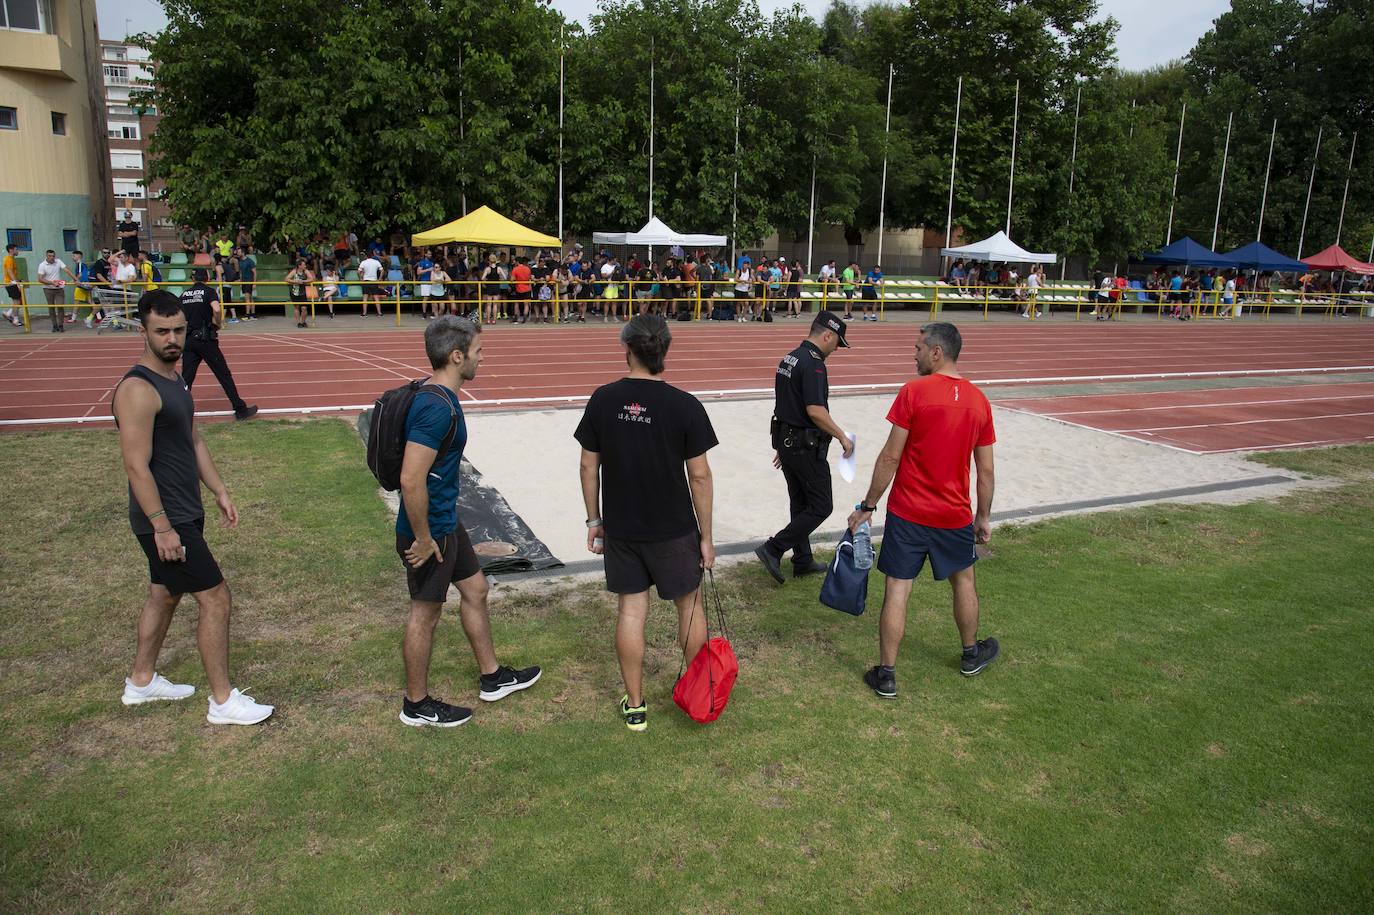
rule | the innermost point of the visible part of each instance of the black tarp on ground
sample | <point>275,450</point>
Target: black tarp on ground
<point>503,541</point>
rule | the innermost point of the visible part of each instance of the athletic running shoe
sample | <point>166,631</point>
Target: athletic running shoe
<point>159,688</point>
<point>232,321</point>
<point>885,685</point>
<point>636,718</point>
<point>431,713</point>
<point>89,323</point>
<point>239,708</point>
<point>987,653</point>
<point>506,680</point>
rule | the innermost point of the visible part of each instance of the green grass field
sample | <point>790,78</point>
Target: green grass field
<point>1179,722</point>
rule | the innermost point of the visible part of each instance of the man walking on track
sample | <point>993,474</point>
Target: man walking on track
<point>432,543</point>
<point>166,462</point>
<point>802,430</point>
<point>651,519</point>
<point>938,421</point>
<point>203,316</point>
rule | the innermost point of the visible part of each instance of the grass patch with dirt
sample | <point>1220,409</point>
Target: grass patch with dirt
<point>1178,720</point>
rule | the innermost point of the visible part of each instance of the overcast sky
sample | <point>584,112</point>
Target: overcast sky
<point>1152,31</point>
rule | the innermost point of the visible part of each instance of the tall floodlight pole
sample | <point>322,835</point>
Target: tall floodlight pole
<point>734,194</point>
<point>561,52</point>
<point>1264,197</point>
<point>1226,151</point>
<point>1011,178</point>
<point>953,161</point>
<point>463,192</point>
<point>651,127</point>
<point>1310,181</point>
<point>1348,167</point>
<point>1178,158</point>
<point>1073,161</point>
<point>882,193</point>
<point>811,220</point>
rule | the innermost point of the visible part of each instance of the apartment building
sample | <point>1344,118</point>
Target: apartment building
<point>127,70</point>
<point>55,183</point>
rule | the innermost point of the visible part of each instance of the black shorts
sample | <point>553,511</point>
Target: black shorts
<point>197,572</point>
<point>298,297</point>
<point>906,545</point>
<point>870,294</point>
<point>674,566</point>
<point>13,290</point>
<point>430,581</point>
<point>793,291</point>
<point>246,289</point>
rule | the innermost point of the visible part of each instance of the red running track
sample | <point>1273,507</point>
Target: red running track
<point>1221,420</point>
<point>71,378</point>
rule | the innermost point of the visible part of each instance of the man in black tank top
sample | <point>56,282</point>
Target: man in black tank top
<point>166,462</point>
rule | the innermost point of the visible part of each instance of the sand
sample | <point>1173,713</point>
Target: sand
<point>1043,467</point>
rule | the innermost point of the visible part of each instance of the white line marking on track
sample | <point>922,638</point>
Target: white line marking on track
<point>1245,422</point>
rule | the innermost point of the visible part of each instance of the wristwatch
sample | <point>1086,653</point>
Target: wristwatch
<point>864,507</point>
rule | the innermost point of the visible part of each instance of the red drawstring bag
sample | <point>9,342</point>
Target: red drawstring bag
<point>704,688</point>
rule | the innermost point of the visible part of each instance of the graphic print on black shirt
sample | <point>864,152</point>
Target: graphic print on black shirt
<point>645,431</point>
<point>801,382</point>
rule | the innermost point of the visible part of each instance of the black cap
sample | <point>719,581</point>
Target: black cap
<point>828,320</point>
<point>200,275</point>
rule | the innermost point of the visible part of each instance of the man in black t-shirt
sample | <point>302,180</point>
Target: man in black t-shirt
<point>128,233</point>
<point>651,519</point>
<point>802,430</point>
<point>201,305</point>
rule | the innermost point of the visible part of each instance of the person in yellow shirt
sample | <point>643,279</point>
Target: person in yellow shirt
<point>145,270</point>
<point>11,282</point>
<point>223,245</point>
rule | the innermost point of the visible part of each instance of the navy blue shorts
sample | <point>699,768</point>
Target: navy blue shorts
<point>907,544</point>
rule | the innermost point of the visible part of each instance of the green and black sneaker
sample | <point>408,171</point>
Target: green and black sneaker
<point>636,718</point>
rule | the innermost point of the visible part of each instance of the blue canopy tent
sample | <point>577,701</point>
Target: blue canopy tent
<point>1188,253</point>
<point>1256,256</point>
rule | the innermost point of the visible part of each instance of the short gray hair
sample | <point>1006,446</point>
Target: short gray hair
<point>944,335</point>
<point>446,334</point>
<point>648,338</point>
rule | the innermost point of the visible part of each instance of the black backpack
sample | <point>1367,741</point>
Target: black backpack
<point>386,437</point>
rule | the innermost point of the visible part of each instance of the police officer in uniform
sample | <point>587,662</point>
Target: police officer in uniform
<point>201,306</point>
<point>802,430</point>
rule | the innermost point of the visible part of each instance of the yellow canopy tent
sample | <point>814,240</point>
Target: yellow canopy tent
<point>485,226</point>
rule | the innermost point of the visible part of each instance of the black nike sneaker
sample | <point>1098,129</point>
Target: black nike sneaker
<point>431,713</point>
<point>885,685</point>
<point>987,653</point>
<point>507,680</point>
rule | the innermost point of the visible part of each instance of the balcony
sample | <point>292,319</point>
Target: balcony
<point>38,53</point>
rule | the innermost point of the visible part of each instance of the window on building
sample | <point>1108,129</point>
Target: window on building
<point>21,237</point>
<point>116,75</point>
<point>59,123</point>
<point>128,187</point>
<point>9,117</point>
<point>126,160</point>
<point>116,54</point>
<point>69,242</point>
<point>123,131</point>
<point>29,15</point>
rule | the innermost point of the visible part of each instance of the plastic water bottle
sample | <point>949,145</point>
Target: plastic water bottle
<point>863,548</point>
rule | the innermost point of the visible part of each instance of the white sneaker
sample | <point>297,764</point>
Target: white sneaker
<point>158,688</point>
<point>239,709</point>
<point>89,323</point>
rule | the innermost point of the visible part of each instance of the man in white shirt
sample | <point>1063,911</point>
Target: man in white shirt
<point>370,272</point>
<point>50,275</point>
<point>1032,290</point>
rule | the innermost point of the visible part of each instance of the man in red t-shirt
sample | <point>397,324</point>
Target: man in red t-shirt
<point>520,276</point>
<point>938,421</point>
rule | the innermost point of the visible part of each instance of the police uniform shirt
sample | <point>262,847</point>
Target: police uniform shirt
<point>196,303</point>
<point>801,382</point>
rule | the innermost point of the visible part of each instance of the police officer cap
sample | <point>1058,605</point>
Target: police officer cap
<point>828,320</point>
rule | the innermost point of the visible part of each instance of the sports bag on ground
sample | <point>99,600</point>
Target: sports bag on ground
<point>704,688</point>
<point>386,436</point>
<point>846,586</point>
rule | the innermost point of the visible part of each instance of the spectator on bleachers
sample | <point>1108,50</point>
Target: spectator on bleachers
<point>873,284</point>
<point>244,240</point>
<point>248,275</point>
<point>228,272</point>
<point>330,290</point>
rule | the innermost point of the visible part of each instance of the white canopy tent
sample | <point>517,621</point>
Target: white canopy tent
<point>999,248</point>
<point>658,234</point>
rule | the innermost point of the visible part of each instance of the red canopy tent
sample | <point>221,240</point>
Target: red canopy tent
<point>1336,258</point>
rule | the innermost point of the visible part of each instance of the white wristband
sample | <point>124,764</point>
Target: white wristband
<point>593,523</point>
